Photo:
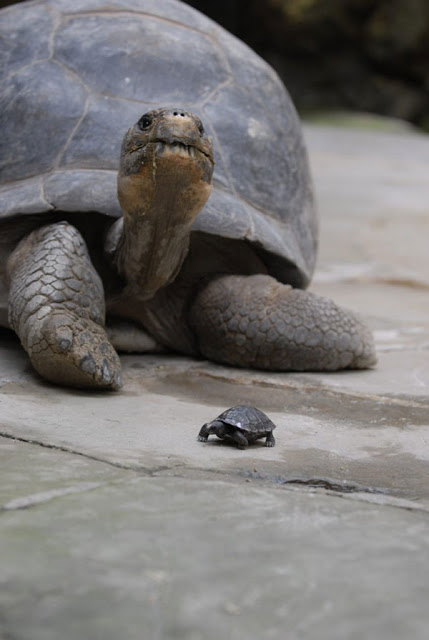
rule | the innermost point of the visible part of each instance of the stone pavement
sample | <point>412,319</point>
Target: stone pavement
<point>116,523</point>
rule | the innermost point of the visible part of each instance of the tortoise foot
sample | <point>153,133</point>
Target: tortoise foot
<point>75,352</point>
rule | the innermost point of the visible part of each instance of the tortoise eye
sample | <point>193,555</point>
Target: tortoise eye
<point>200,128</point>
<point>144,122</point>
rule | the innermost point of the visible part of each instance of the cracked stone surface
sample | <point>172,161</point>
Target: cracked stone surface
<point>204,557</point>
<point>116,523</point>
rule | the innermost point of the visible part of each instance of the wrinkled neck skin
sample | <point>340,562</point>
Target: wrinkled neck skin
<point>161,195</point>
<point>154,241</point>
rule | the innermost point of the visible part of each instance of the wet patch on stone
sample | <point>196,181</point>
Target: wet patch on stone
<point>328,484</point>
<point>315,400</point>
<point>392,474</point>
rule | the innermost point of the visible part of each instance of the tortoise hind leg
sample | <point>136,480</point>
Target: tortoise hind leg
<point>56,306</point>
<point>254,321</point>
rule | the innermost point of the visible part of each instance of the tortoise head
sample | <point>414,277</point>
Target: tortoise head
<point>167,151</point>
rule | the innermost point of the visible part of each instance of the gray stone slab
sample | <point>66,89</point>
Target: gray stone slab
<point>32,474</point>
<point>158,558</point>
<point>355,435</point>
<point>373,195</point>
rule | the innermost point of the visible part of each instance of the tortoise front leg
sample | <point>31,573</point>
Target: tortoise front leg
<point>255,321</point>
<point>56,306</point>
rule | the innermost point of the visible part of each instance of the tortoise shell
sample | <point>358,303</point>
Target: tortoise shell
<point>78,73</point>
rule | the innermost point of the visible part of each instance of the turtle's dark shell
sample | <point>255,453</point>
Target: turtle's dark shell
<point>77,73</point>
<point>248,419</point>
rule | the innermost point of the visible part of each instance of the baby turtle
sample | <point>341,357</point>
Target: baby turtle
<point>243,424</point>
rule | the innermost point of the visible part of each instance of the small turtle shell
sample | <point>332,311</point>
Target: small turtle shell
<point>248,419</point>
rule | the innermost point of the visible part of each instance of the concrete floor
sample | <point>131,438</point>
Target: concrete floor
<point>116,523</point>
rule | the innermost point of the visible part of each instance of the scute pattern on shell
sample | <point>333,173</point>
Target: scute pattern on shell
<point>247,418</point>
<point>72,87</point>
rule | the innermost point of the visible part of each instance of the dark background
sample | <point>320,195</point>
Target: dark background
<point>364,55</point>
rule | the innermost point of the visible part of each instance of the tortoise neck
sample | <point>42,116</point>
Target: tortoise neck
<point>151,250</point>
<point>161,194</point>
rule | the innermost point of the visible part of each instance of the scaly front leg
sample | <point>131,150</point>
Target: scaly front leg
<point>255,321</point>
<point>56,306</point>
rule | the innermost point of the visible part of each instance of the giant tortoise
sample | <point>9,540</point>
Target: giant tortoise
<point>219,277</point>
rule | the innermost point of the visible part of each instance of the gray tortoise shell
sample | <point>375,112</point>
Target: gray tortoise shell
<point>78,73</point>
<point>247,419</point>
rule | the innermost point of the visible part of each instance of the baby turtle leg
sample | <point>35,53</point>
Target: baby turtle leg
<point>240,439</point>
<point>255,321</point>
<point>270,440</point>
<point>215,426</point>
<point>56,306</point>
